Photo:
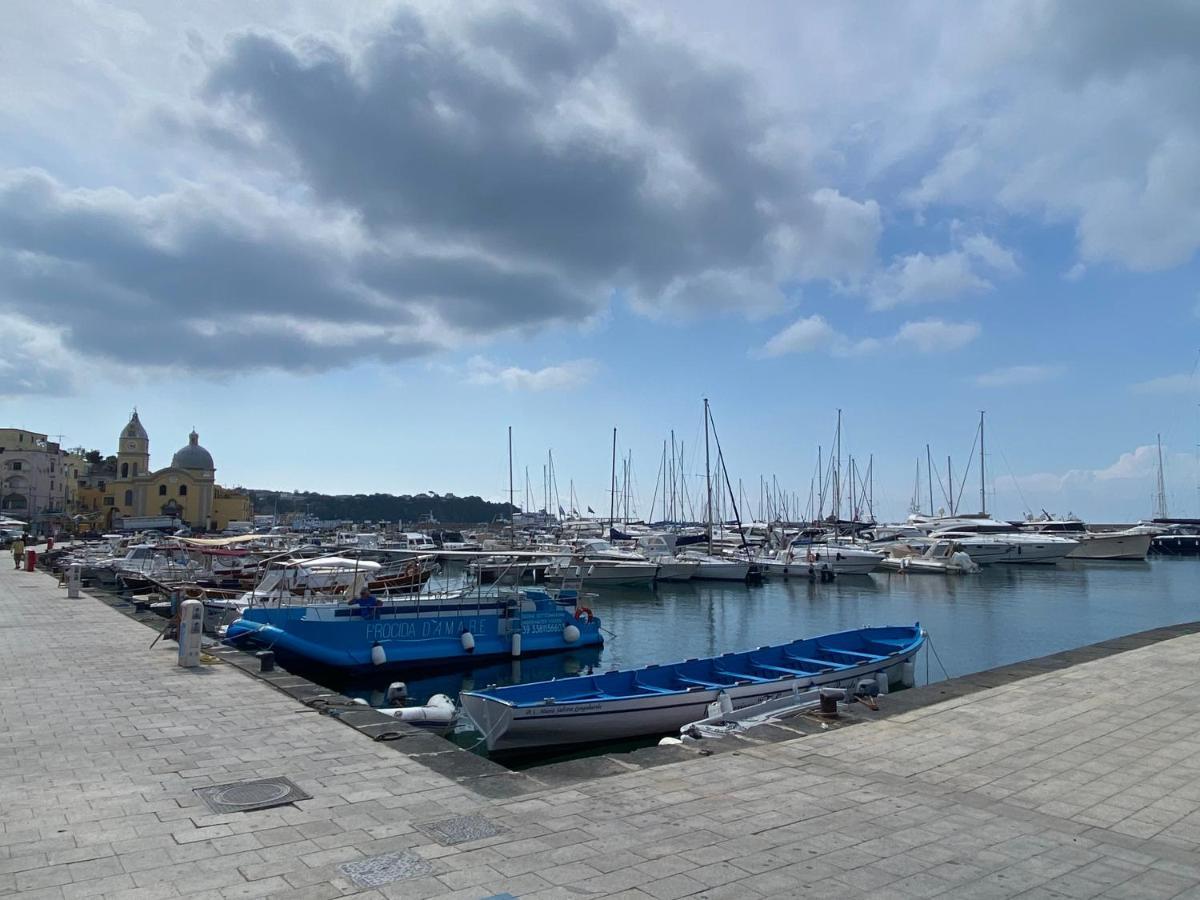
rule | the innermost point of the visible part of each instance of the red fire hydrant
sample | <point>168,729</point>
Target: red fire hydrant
<point>30,560</point>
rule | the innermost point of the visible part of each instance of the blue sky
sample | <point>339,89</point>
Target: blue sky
<point>352,246</point>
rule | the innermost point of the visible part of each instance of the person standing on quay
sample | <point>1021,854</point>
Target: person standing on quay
<point>18,551</point>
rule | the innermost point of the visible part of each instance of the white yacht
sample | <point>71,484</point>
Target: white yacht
<point>805,560</point>
<point>1042,549</point>
<point>670,568</point>
<point>1125,544</point>
<point>717,568</point>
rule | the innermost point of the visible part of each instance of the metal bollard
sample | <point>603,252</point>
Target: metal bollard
<point>266,660</point>
<point>74,579</point>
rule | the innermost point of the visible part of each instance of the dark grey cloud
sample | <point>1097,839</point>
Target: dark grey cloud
<point>422,184</point>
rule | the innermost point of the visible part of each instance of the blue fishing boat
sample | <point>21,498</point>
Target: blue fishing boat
<point>658,699</point>
<point>421,630</point>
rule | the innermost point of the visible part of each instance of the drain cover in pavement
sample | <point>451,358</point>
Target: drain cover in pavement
<point>460,829</point>
<point>242,796</point>
<point>379,870</point>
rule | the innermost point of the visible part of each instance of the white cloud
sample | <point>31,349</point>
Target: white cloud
<point>988,251</point>
<point>1076,272</point>
<point>936,336</point>
<point>1121,491</point>
<point>815,334</point>
<point>564,376</point>
<point>1169,384</point>
<point>919,278</point>
<point>802,336</point>
<point>1017,375</point>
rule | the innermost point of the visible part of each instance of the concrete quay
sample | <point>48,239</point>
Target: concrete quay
<point>1074,776</point>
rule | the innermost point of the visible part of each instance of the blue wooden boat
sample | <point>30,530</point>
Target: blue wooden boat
<point>419,630</point>
<point>658,699</point>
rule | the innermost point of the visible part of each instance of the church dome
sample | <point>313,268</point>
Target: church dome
<point>134,429</point>
<point>193,456</point>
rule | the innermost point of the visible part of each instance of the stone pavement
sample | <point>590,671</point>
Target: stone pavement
<point>1080,782</point>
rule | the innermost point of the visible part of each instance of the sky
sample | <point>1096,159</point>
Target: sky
<point>352,244</point>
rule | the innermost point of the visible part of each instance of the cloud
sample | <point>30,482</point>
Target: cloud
<point>1122,490</point>
<point>396,184</point>
<point>921,278</point>
<point>563,376</point>
<point>1169,384</point>
<point>1018,375</point>
<point>935,335</point>
<point>33,360</point>
<point>1082,116</point>
<point>814,333</point>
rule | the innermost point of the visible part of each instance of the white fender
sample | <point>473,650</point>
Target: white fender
<point>570,633</point>
<point>378,654</point>
<point>468,641</point>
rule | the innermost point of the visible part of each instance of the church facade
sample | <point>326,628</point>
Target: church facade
<point>186,488</point>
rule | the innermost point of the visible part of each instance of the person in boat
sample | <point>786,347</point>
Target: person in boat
<point>367,602</point>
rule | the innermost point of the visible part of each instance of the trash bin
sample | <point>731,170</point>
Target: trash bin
<point>30,560</point>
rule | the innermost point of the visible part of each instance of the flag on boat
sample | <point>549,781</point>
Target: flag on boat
<point>562,512</point>
<point>592,511</point>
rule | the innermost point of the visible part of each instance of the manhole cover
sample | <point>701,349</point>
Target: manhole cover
<point>247,795</point>
<point>460,829</point>
<point>379,870</point>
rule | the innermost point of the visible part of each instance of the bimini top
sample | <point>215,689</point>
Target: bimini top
<point>193,456</point>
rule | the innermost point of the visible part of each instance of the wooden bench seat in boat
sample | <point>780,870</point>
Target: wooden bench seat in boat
<point>653,688</point>
<point>687,679</point>
<point>741,676</point>
<point>773,668</point>
<point>823,665</point>
<point>869,657</point>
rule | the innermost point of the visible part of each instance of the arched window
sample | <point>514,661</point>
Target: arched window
<point>183,490</point>
<point>135,470</point>
<point>124,470</point>
<point>129,498</point>
<point>162,490</point>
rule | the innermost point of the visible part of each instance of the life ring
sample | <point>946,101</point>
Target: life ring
<point>581,611</point>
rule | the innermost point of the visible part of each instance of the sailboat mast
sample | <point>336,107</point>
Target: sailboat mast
<point>820,484</point>
<point>837,473</point>
<point>1160,504</point>
<point>929,476</point>
<point>512,510</point>
<point>950,481</point>
<point>708,476</point>
<point>612,494</point>
<point>672,517</point>
<point>982,481</point>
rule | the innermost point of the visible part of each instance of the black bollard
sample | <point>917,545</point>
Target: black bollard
<point>266,660</point>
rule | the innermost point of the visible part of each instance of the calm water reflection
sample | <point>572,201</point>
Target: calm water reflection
<point>1002,615</point>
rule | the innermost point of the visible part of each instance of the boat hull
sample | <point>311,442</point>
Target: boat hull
<point>401,635</point>
<point>559,720</point>
<point>1113,547</point>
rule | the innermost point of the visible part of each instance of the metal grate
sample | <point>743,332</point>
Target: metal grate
<point>460,829</point>
<point>380,870</point>
<point>243,796</point>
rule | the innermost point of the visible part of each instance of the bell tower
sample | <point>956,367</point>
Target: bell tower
<point>133,449</point>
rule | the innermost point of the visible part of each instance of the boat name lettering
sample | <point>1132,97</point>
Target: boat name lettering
<point>422,628</point>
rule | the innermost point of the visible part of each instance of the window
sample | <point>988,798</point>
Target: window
<point>129,498</point>
<point>162,490</point>
<point>183,490</point>
<point>135,470</point>
<point>16,465</point>
<point>108,501</point>
<point>124,470</point>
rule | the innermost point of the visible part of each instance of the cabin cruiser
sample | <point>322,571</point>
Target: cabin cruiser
<point>717,568</point>
<point>1030,548</point>
<point>802,559</point>
<point>656,548</point>
<point>1128,543</point>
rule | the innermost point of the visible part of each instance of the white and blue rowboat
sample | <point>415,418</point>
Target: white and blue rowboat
<point>659,699</point>
<point>407,632</point>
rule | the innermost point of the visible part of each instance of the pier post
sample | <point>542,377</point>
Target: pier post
<point>191,630</point>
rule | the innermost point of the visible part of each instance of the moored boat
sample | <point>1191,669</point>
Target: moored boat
<point>658,699</point>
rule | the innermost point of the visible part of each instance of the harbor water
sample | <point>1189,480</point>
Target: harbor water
<point>1002,615</point>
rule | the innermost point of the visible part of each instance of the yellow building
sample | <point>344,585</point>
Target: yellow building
<point>187,488</point>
